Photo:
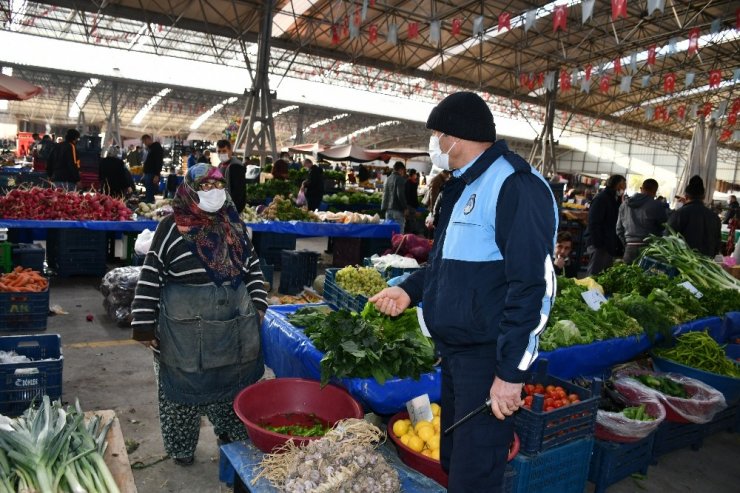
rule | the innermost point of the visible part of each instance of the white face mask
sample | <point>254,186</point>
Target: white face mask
<point>211,200</point>
<point>439,159</point>
<point>224,158</point>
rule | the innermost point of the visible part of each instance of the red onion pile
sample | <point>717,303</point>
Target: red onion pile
<point>56,203</point>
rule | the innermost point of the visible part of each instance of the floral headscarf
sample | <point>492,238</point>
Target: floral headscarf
<point>217,238</point>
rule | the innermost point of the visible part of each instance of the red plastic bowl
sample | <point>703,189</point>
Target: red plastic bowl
<point>426,465</point>
<point>268,398</point>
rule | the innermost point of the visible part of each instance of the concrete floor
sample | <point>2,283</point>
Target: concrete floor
<point>106,370</point>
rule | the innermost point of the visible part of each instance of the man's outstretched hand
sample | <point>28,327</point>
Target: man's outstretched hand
<point>391,301</point>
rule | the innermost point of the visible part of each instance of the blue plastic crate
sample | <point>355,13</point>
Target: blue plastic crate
<point>723,421</point>
<point>24,311</point>
<point>21,383</point>
<point>539,430</point>
<point>563,469</point>
<point>674,436</point>
<point>29,255</point>
<point>650,264</point>
<point>611,461</point>
<point>338,298</point>
<point>298,270</point>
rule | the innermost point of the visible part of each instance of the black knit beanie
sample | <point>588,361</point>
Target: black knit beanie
<point>464,115</point>
<point>695,188</point>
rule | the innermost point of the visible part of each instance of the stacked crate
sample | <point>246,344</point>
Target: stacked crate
<point>299,270</point>
<point>77,252</point>
<point>270,246</point>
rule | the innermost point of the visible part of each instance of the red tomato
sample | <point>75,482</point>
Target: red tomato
<point>560,393</point>
<point>550,388</point>
<point>548,402</point>
<point>565,402</point>
<point>528,400</point>
<point>573,397</point>
<point>557,404</point>
<point>529,389</point>
<point>548,409</point>
<point>539,389</point>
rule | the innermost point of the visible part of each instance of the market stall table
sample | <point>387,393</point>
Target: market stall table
<point>238,460</point>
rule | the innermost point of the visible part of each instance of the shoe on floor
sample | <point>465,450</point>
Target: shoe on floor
<point>184,461</point>
<point>223,439</point>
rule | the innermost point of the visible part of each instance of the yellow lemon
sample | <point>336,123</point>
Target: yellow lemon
<point>426,432</point>
<point>437,423</point>
<point>405,440</point>
<point>422,424</point>
<point>416,444</point>
<point>433,442</point>
<point>435,454</point>
<point>427,453</point>
<point>400,428</point>
<point>436,409</point>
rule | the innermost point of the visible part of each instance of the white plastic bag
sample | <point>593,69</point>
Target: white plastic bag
<point>619,428</point>
<point>143,242</point>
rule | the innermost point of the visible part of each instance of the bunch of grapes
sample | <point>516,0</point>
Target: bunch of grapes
<point>360,280</point>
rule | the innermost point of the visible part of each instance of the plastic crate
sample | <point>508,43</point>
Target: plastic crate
<point>338,298</point>
<point>539,430</point>
<point>651,264</point>
<point>272,241</point>
<point>77,252</point>
<point>346,251</point>
<point>21,383</point>
<point>723,421</point>
<point>268,271</point>
<point>24,311</point>
<point>29,255</point>
<point>298,270</point>
<point>674,436</point>
<point>611,461</point>
<point>563,469</point>
<point>6,262</point>
<point>390,272</point>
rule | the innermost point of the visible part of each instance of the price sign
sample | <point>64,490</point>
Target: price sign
<point>419,409</point>
<point>593,299</point>
<point>692,289</point>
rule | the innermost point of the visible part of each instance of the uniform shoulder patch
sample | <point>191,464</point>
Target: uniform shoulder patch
<point>470,205</point>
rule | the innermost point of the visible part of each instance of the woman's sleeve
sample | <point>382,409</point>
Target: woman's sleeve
<point>255,281</point>
<point>145,306</point>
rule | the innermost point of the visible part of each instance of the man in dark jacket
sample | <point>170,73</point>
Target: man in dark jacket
<point>700,227</point>
<point>639,217</point>
<point>152,167</point>
<point>314,191</point>
<point>63,167</point>
<point>114,177</point>
<point>412,201</point>
<point>235,173</point>
<point>603,243</point>
<point>487,288</point>
<point>394,195</point>
<point>733,210</point>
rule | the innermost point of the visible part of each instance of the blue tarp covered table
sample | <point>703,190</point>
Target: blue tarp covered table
<point>289,353</point>
<point>238,460</point>
<point>299,228</point>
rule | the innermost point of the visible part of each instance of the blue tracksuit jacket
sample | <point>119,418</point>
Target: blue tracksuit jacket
<point>489,283</point>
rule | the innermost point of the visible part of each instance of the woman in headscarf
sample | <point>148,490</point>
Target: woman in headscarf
<point>199,303</point>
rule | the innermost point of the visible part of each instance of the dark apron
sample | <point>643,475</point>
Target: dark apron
<point>209,343</point>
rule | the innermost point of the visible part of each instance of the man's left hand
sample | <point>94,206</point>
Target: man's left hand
<point>506,398</point>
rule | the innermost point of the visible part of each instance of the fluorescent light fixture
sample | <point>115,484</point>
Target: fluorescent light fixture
<point>4,102</point>
<point>322,122</point>
<point>205,116</point>
<point>149,105</point>
<point>81,99</point>
<point>285,110</point>
<point>492,33</point>
<point>348,138</point>
<point>18,10</point>
<point>285,18</point>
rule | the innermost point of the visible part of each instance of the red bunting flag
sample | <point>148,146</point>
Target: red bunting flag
<point>564,81</point>
<point>334,34</point>
<point>372,3</point>
<point>373,33</point>
<point>588,72</point>
<point>715,77</point>
<point>456,26</point>
<point>682,111</point>
<point>726,134</point>
<point>617,66</point>
<point>707,109</point>
<point>669,82</point>
<point>651,55</point>
<point>560,18</point>
<point>619,9</point>
<point>737,19</point>
<point>736,106</point>
<point>413,30</point>
<point>524,80</point>
<point>693,40</point>
<point>504,21</point>
<point>732,118</point>
<point>540,79</point>
<point>358,16</point>
<point>604,83</point>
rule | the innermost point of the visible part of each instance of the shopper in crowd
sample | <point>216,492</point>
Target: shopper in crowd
<point>603,244</point>
<point>700,227</point>
<point>315,189</point>
<point>487,288</point>
<point>133,157</point>
<point>639,217</point>
<point>114,177</point>
<point>152,167</point>
<point>42,153</point>
<point>412,201</point>
<point>199,303</point>
<point>192,158</point>
<point>205,157</point>
<point>394,196</point>
<point>733,210</point>
<point>363,175</point>
<point>431,197</point>
<point>33,146</point>
<point>562,262</point>
<point>170,187</point>
<point>351,177</point>
<point>63,166</point>
<point>280,167</point>
<point>235,172</point>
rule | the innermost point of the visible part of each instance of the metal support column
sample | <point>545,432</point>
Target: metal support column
<point>542,156</point>
<point>299,126</point>
<point>257,129</point>
<point>113,123</point>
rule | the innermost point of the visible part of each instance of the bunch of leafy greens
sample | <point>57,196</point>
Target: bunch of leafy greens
<point>718,301</point>
<point>654,320</point>
<point>371,345</point>
<point>308,315</point>
<point>625,279</point>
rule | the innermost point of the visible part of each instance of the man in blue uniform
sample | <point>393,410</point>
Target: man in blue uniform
<point>488,286</point>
